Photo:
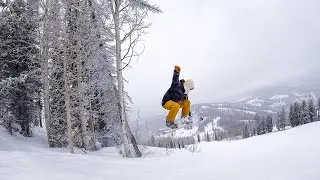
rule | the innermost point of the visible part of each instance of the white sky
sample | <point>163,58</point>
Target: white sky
<point>227,47</point>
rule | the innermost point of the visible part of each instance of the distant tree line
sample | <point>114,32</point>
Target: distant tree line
<point>170,142</point>
<point>182,142</point>
<point>299,113</point>
<point>262,124</point>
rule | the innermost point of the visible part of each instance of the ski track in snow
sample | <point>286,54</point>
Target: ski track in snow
<point>287,155</point>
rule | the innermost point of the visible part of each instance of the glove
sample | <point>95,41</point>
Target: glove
<point>177,68</point>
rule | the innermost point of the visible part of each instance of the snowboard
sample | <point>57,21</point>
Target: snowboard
<point>167,130</point>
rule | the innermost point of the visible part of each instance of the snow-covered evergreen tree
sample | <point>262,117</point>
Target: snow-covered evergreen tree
<point>318,109</point>
<point>303,115</point>
<point>78,58</point>
<point>281,121</point>
<point>269,123</point>
<point>291,115</point>
<point>261,126</point>
<point>19,55</point>
<point>207,136</point>
<point>245,133</point>
<point>199,138</point>
<point>311,112</point>
<point>295,116</point>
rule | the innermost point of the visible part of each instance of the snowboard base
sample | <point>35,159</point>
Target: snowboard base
<point>169,130</point>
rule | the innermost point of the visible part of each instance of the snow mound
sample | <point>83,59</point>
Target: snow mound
<point>17,142</point>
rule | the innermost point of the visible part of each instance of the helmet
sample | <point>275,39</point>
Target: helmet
<point>188,85</point>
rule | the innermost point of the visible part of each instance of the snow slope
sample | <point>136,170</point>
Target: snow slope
<point>288,155</point>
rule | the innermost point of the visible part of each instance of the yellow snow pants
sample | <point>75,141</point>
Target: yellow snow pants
<point>174,107</point>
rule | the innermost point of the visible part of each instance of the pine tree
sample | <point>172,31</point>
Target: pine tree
<point>296,114</point>
<point>291,115</point>
<point>207,137</point>
<point>245,133</point>
<point>311,112</point>
<point>318,109</point>
<point>257,128</point>
<point>264,127</point>
<point>281,121</point>
<point>261,125</point>
<point>198,138</point>
<point>269,123</point>
<point>303,115</point>
<point>19,55</point>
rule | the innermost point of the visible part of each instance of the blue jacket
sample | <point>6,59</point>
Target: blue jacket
<point>176,91</point>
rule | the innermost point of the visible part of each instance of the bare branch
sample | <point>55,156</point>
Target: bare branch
<point>134,28</point>
<point>130,44</point>
<point>127,64</point>
<point>124,8</point>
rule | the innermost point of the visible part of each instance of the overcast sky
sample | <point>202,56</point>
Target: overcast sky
<point>227,47</point>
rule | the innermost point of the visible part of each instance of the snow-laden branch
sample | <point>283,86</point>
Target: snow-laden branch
<point>145,5</point>
<point>6,84</point>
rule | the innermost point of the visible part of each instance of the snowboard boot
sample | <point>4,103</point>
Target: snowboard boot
<point>171,125</point>
<point>185,120</point>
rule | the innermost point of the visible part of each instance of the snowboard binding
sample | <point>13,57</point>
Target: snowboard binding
<point>171,125</point>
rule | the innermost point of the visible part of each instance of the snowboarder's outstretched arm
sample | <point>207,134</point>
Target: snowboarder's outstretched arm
<point>175,79</point>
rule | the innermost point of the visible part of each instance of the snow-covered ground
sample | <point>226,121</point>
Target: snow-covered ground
<point>255,102</point>
<point>280,96</point>
<point>288,155</point>
<point>239,110</point>
<point>278,104</point>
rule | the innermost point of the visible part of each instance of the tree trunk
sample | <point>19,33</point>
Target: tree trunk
<point>84,132</point>
<point>124,127</point>
<point>69,57</point>
<point>120,79</point>
<point>68,109</point>
<point>45,72</point>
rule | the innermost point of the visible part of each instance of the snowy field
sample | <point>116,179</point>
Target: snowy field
<point>288,155</point>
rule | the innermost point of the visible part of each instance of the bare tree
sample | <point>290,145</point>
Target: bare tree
<point>127,25</point>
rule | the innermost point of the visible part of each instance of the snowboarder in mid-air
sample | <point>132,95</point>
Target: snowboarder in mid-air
<point>176,97</point>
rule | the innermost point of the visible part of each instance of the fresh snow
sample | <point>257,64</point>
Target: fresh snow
<point>194,130</point>
<point>287,155</point>
<point>212,125</point>
<point>278,104</point>
<point>255,102</point>
<point>281,96</point>
<point>239,110</point>
<point>268,111</point>
<point>205,107</point>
